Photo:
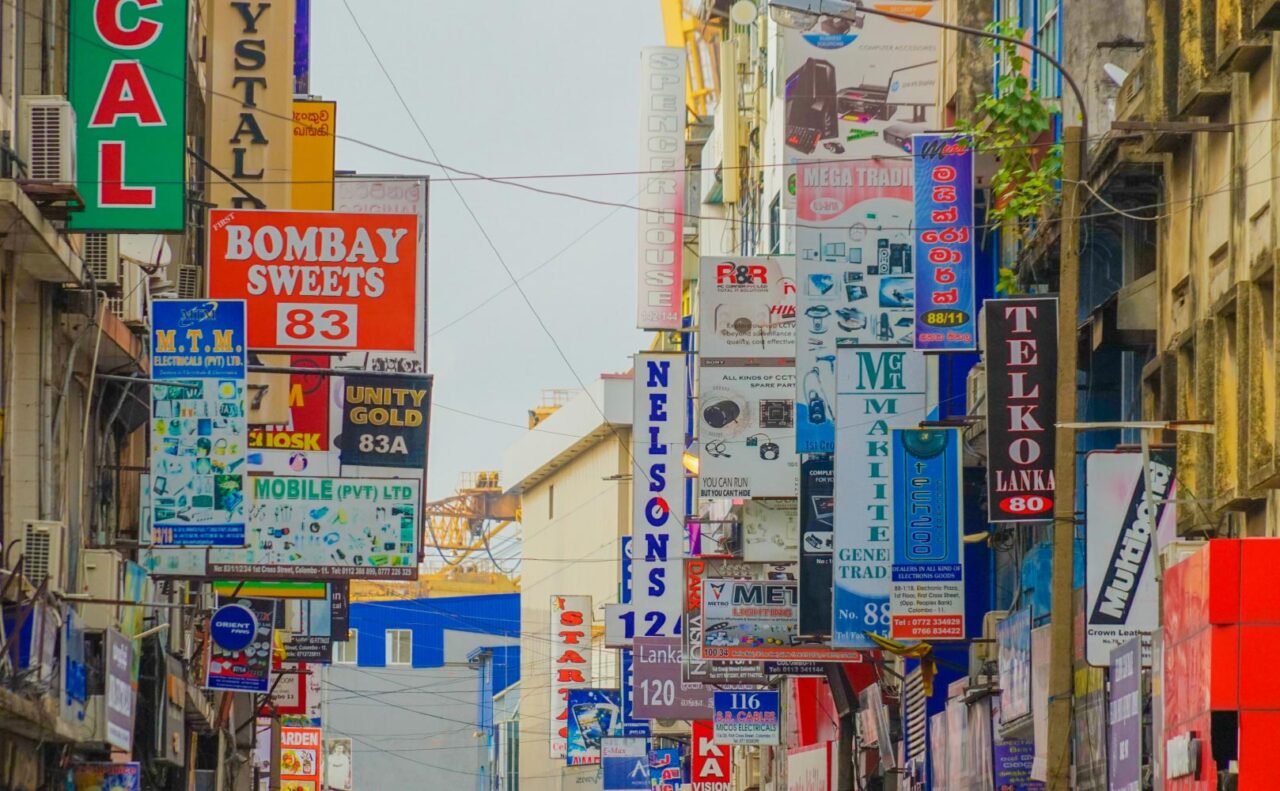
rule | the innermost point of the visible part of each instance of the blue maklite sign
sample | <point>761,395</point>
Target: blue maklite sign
<point>946,303</point>
<point>233,627</point>
<point>746,718</point>
<point>927,594</point>
<point>199,428</point>
<point>625,763</point>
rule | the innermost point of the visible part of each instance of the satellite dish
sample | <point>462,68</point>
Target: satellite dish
<point>743,12</point>
<point>145,249</point>
<point>1117,74</point>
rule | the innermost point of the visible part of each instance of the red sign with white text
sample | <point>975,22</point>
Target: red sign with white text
<point>711,762</point>
<point>300,756</point>
<point>319,281</point>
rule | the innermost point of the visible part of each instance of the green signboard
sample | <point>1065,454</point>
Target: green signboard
<point>127,85</point>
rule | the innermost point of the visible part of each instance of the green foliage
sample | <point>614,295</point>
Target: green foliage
<point>1008,123</point>
<point>1007,282</point>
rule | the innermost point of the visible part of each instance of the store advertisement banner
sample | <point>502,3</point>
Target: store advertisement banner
<point>121,690</point>
<point>658,492</point>
<point>625,763</point>
<point>660,230</point>
<point>711,765</point>
<point>1122,596</point>
<point>385,420</point>
<point>310,623</point>
<point>770,531</point>
<point>660,692</point>
<point>107,777</point>
<point>664,769</point>
<point>747,718</point>
<point>696,667</point>
<point>1124,720</point>
<point>319,281</point>
<point>878,390</point>
<point>126,82</point>
<point>327,528</point>
<point>315,128</point>
<point>593,715</point>
<point>238,652</point>
<point>817,516</point>
<point>926,600</point>
<point>570,661</point>
<point>859,86</point>
<point>809,768</point>
<point>1022,365</point>
<point>289,448</point>
<point>1013,663</point>
<point>946,292</point>
<point>198,429</point>
<point>337,764</point>
<point>855,278</point>
<point>746,424</point>
<point>300,759</point>
<point>747,308</point>
<point>757,620</point>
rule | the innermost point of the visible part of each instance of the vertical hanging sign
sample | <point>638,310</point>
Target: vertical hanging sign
<point>127,85</point>
<point>658,492</point>
<point>711,767</point>
<point>570,661</point>
<point>946,309</point>
<point>1022,363</point>
<point>926,599</point>
<point>661,215</point>
<point>817,507</point>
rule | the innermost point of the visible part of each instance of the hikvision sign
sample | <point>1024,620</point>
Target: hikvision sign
<point>661,216</point>
<point>570,661</point>
<point>1022,360</point>
<point>658,493</point>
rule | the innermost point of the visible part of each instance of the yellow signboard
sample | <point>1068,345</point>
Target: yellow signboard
<point>314,127</point>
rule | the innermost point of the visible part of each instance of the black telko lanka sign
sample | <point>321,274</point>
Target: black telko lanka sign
<point>1022,359</point>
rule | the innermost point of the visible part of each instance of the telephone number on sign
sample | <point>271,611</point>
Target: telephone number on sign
<point>310,325</point>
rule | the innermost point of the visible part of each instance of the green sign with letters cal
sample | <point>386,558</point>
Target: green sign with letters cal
<point>127,85</point>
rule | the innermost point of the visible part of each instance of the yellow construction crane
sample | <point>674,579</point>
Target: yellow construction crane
<point>700,40</point>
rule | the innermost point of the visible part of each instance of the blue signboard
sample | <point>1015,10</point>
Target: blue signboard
<point>946,301</point>
<point>233,626</point>
<point>625,598</point>
<point>593,715</point>
<point>664,769</point>
<point>199,429</point>
<point>927,593</point>
<point>625,763</point>
<point>746,718</point>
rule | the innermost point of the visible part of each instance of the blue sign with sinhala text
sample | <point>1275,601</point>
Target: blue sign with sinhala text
<point>664,769</point>
<point>946,300</point>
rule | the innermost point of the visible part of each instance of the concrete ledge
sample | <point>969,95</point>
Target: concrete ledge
<point>37,719</point>
<point>42,250</point>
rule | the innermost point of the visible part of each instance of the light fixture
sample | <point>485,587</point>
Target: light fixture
<point>791,17</point>
<point>690,462</point>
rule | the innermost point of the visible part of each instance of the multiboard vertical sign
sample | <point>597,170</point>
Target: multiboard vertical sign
<point>946,303</point>
<point>126,73</point>
<point>1022,362</point>
<point>877,390</point>
<point>817,513</point>
<point>658,493</point>
<point>661,202</point>
<point>570,661</point>
<point>926,599</point>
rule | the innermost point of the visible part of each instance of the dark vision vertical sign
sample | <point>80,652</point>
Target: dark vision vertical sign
<point>1022,359</point>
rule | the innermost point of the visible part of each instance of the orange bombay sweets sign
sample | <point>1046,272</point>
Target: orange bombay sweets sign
<point>319,281</point>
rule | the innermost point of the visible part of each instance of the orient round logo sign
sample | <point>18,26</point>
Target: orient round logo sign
<point>233,627</point>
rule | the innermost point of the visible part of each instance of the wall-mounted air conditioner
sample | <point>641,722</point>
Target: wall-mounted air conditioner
<point>102,258</point>
<point>44,554</point>
<point>48,141</point>
<point>102,580</point>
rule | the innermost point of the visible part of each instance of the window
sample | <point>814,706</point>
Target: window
<point>345,653</point>
<point>399,647</point>
<point>1047,36</point>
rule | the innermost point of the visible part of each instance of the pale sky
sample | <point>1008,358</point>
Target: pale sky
<point>503,88</point>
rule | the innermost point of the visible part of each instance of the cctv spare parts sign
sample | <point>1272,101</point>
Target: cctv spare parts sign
<point>126,80</point>
<point>320,281</point>
<point>746,427</point>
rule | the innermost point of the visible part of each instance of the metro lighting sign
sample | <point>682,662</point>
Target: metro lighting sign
<point>127,85</point>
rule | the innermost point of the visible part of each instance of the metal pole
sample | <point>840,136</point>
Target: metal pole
<point>1062,601</point>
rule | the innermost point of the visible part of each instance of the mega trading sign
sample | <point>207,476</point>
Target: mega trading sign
<point>127,85</point>
<point>320,281</point>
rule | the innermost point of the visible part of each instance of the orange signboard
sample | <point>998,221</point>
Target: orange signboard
<point>319,281</point>
<point>300,759</point>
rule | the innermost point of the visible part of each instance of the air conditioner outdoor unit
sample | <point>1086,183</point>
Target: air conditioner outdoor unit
<point>102,580</point>
<point>43,554</point>
<point>987,652</point>
<point>188,282</point>
<point>102,257</point>
<point>48,139</point>
<point>133,293</point>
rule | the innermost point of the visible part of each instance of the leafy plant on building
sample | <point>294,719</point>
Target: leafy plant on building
<point>1011,123</point>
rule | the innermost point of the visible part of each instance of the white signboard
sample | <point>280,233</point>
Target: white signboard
<point>619,629</point>
<point>770,531</point>
<point>660,244</point>
<point>1122,597</point>
<point>878,389</point>
<point>746,424</point>
<point>747,308</point>
<point>570,661</point>
<point>658,493</point>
